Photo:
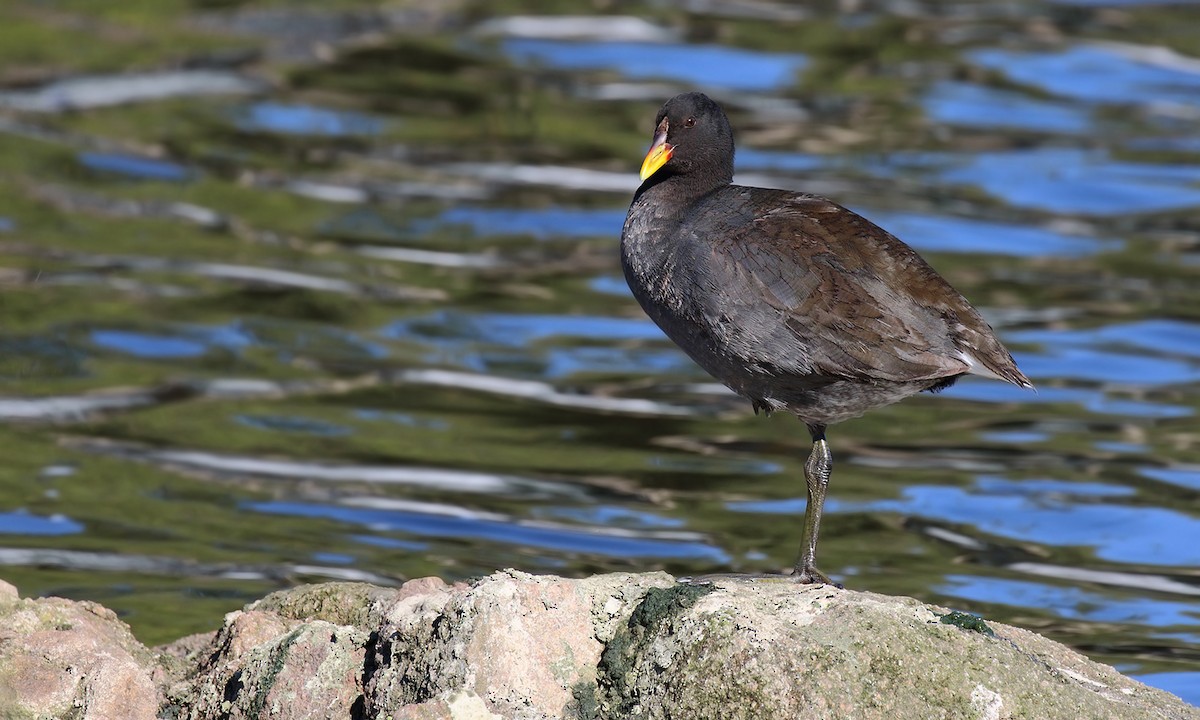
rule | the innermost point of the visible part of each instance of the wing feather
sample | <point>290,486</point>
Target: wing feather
<point>857,302</point>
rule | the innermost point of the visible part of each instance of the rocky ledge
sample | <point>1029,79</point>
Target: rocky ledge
<point>514,645</point>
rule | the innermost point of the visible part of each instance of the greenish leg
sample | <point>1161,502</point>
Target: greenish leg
<point>816,475</point>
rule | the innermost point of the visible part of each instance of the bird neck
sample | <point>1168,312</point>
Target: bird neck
<point>680,189</point>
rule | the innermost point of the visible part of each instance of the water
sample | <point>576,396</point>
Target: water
<point>367,322</point>
<point>706,66</point>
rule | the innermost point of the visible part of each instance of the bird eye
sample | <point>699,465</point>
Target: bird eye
<point>690,122</point>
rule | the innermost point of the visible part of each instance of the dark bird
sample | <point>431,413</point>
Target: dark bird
<point>790,299</point>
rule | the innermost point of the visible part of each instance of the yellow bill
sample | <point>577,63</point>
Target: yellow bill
<point>658,155</point>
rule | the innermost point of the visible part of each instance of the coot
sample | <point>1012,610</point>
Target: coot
<point>790,299</point>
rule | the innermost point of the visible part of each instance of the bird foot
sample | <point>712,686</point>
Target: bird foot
<point>809,575</point>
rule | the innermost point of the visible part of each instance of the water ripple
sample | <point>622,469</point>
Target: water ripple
<point>959,103</point>
<point>1102,72</point>
<point>700,65</point>
<point>440,521</point>
<point>306,120</point>
<point>1086,182</point>
<point>1070,603</point>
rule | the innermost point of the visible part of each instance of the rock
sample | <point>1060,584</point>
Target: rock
<point>293,654</point>
<point>61,659</point>
<point>775,650</point>
<point>525,647</point>
<point>516,645</point>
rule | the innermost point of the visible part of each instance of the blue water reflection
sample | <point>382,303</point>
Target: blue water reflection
<point>1189,144</point>
<point>391,543</point>
<point>1087,182</point>
<point>560,538</point>
<point>331,558</point>
<point>1095,401</point>
<point>699,65</point>
<point>1016,437</point>
<point>1184,684</point>
<point>148,345</point>
<point>20,522</point>
<point>1168,337</point>
<point>1084,354</point>
<point>1184,477</point>
<point>943,233</point>
<point>517,343</point>
<point>306,120</point>
<point>560,363</point>
<point>607,515</point>
<point>1100,73</point>
<point>1117,533</point>
<point>171,342</point>
<point>610,285</point>
<point>1070,603</point>
<point>541,223</point>
<point>1041,512</point>
<point>1089,365</point>
<point>959,103</point>
<point>132,166</point>
<point>518,330</point>
<point>753,159</point>
<point>1057,489</point>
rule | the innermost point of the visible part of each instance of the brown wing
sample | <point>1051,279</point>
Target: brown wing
<point>859,302</point>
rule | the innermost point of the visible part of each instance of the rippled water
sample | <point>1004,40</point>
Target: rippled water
<point>349,306</point>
